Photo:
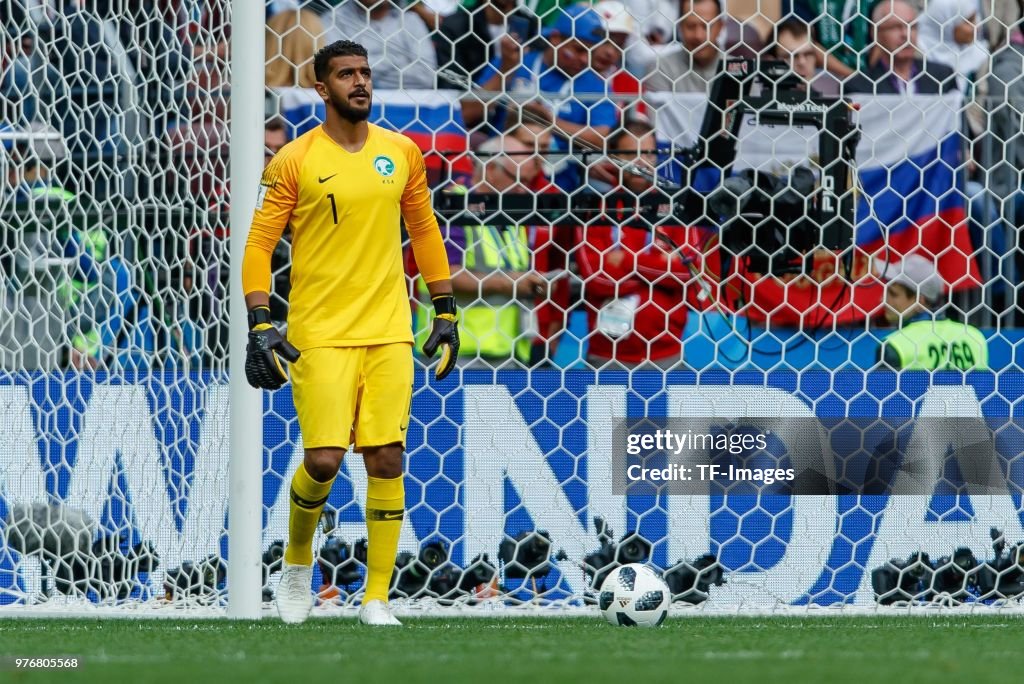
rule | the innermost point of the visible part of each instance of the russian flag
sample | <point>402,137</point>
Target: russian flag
<point>431,118</point>
<point>913,197</point>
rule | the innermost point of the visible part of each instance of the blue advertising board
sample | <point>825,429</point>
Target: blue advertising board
<point>496,454</point>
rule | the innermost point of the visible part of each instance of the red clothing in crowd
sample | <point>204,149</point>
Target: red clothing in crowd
<point>649,269</point>
<point>625,83</point>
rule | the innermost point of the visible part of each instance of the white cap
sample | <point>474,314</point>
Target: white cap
<point>616,17</point>
<point>914,272</point>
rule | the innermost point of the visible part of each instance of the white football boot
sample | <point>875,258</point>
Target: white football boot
<point>294,593</point>
<point>377,613</point>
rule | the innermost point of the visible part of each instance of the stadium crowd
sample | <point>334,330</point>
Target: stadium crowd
<point>114,107</point>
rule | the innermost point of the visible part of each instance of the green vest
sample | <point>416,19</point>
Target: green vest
<point>939,345</point>
<point>53,191</point>
<point>493,327</point>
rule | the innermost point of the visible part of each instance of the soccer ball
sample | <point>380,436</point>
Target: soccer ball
<point>634,596</point>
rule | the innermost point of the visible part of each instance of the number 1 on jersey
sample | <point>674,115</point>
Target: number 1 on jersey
<point>334,207</point>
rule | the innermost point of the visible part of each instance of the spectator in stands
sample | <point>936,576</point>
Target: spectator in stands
<point>503,74</point>
<point>35,208</point>
<point>156,57</point>
<point>1004,153</point>
<point>659,26</point>
<point>26,79</point>
<point>625,52</point>
<point>99,295</point>
<point>293,37</point>
<point>492,276</point>
<point>80,42</point>
<point>16,75</point>
<point>896,66</point>
<point>536,137</point>
<point>471,36</point>
<point>949,33</point>
<point>689,66</point>
<point>397,41</point>
<point>275,136</point>
<point>200,142</point>
<point>841,31</point>
<point>606,176</point>
<point>621,56</point>
<point>741,38</point>
<point>109,325</point>
<point>60,260</point>
<point>1002,26</point>
<point>635,279</point>
<point>655,19</point>
<point>211,33</point>
<point>793,44</point>
<point>925,339</point>
<point>32,159</point>
<point>200,148</point>
<point>432,12</point>
<point>567,93</point>
<point>491,32</point>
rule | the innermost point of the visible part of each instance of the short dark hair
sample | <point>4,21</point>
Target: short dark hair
<point>339,48</point>
<point>634,127</point>
<point>798,28</point>
<point>908,291</point>
<point>275,124</point>
<point>686,5</point>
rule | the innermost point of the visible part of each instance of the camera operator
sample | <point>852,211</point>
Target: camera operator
<point>926,339</point>
<point>635,277</point>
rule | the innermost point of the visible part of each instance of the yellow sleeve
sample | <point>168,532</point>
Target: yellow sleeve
<point>424,234</point>
<point>275,200</point>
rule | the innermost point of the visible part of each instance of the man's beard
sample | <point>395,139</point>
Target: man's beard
<point>351,114</point>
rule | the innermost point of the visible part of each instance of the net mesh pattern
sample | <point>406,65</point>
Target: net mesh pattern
<point>627,237</point>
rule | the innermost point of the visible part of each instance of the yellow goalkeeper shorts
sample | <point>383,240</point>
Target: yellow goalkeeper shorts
<point>360,395</point>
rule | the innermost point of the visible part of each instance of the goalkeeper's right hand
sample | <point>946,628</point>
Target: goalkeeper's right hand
<point>263,369</point>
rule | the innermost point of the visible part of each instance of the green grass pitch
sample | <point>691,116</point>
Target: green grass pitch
<point>861,650</point>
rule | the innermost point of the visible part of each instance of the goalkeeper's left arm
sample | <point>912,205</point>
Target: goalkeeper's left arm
<point>432,262</point>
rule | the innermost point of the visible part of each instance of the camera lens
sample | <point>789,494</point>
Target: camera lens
<point>433,555</point>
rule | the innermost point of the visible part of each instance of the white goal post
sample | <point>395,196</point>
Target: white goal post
<point>246,489</point>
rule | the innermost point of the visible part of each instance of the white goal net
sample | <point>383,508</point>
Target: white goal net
<point>650,209</point>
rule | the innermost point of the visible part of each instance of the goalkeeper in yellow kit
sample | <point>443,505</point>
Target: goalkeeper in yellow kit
<point>343,187</point>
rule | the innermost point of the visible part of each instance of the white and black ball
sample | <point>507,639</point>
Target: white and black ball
<point>634,595</point>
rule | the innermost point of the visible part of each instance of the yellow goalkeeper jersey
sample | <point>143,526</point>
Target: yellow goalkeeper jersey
<point>348,280</point>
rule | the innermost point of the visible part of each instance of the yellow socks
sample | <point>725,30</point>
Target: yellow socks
<point>307,500</point>
<point>385,509</point>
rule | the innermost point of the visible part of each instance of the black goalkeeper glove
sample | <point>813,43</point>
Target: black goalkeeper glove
<point>444,333</point>
<point>263,369</point>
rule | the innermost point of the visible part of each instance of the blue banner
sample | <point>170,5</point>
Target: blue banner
<point>496,454</point>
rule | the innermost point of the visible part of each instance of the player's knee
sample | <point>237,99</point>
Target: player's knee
<point>384,462</point>
<point>323,464</point>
